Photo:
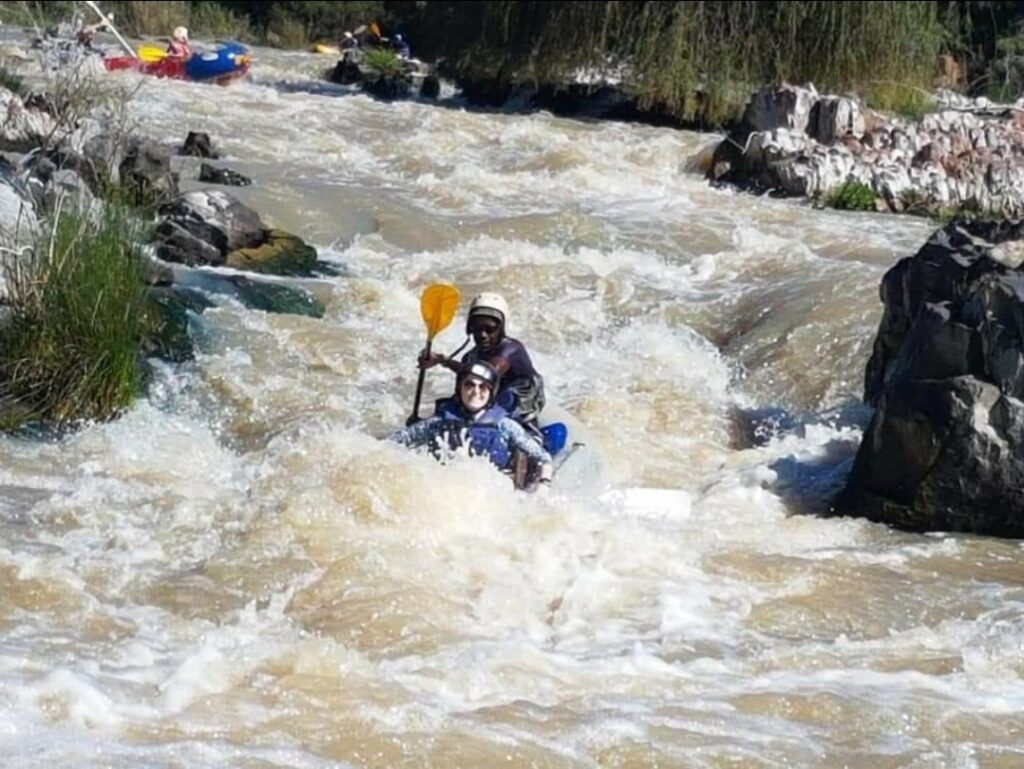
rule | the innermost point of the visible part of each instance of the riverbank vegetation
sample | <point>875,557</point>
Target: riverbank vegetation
<point>69,350</point>
<point>696,60</point>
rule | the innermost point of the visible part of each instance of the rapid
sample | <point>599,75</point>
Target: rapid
<point>242,572</point>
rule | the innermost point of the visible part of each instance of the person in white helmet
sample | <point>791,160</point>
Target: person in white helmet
<point>178,49</point>
<point>522,387</point>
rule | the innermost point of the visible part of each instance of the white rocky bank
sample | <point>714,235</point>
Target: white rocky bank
<point>968,156</point>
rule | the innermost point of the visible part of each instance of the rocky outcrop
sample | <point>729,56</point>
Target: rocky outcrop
<point>209,227</point>
<point>22,127</point>
<point>412,78</point>
<point>968,156</point>
<point>945,447</point>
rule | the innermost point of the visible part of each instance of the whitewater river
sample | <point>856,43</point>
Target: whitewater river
<point>242,572</point>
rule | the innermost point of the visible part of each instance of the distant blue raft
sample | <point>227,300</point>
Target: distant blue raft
<point>227,62</point>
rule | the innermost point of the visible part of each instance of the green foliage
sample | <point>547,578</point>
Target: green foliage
<point>139,18</point>
<point>688,57</point>
<point>295,24</point>
<point>158,19</point>
<point>12,81</point>
<point>909,101</point>
<point>209,19</point>
<point>853,196</point>
<point>384,62</point>
<point>34,14</point>
<point>69,352</point>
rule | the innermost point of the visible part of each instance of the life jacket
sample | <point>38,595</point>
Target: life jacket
<point>481,434</point>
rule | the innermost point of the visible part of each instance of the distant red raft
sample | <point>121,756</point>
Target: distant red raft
<point>226,63</point>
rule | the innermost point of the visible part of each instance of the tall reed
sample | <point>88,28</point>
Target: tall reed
<point>69,351</point>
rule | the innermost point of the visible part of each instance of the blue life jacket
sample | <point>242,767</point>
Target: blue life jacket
<point>482,434</point>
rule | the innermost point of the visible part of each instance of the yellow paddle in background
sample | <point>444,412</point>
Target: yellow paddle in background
<point>150,53</point>
<point>437,305</point>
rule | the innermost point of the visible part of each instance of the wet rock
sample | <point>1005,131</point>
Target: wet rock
<point>833,118</point>
<point>18,221</point>
<point>22,128</point>
<point>431,87</point>
<point>388,87</point>
<point>145,171</point>
<point>945,448</point>
<point>198,145</point>
<point>211,218</point>
<point>208,227</point>
<point>208,173</point>
<point>280,253</point>
<point>346,72</point>
<point>784,106</point>
<point>170,312</point>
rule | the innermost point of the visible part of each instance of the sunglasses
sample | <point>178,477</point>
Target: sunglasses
<point>470,384</point>
<point>484,327</point>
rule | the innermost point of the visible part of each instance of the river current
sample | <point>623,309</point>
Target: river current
<point>242,572</point>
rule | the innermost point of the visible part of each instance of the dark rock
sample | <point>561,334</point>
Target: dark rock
<point>198,145</point>
<point>387,87</point>
<point>431,87</point>
<point>208,173</point>
<point>346,72</point>
<point>212,218</point>
<point>209,227</point>
<point>145,171</point>
<point>181,246</point>
<point>169,314</point>
<point>945,448</point>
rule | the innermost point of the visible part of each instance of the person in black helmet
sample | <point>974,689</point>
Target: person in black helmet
<point>522,387</point>
<point>474,419</point>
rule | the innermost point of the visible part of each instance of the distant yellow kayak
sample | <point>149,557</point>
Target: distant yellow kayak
<point>324,48</point>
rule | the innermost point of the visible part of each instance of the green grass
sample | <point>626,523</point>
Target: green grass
<point>10,80</point>
<point>158,19</point>
<point>32,14</point>
<point>686,58</point>
<point>853,196</point>
<point>384,62</point>
<point>70,350</point>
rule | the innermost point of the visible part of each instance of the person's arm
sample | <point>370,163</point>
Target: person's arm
<point>520,439</point>
<point>439,359</point>
<point>417,434</point>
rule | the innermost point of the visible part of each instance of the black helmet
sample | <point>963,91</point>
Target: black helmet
<point>479,370</point>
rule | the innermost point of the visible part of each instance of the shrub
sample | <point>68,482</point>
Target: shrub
<point>70,349</point>
<point>384,62</point>
<point>853,196</point>
<point>10,80</point>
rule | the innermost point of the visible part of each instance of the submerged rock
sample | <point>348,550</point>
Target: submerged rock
<point>945,448</point>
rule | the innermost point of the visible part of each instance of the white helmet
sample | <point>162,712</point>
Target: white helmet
<point>180,33</point>
<point>491,305</point>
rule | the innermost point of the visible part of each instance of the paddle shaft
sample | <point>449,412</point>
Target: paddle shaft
<point>110,24</point>
<point>419,385</point>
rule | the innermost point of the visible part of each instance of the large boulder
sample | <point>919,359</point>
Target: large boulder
<point>945,448</point>
<point>202,227</point>
<point>23,128</point>
<point>209,227</point>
